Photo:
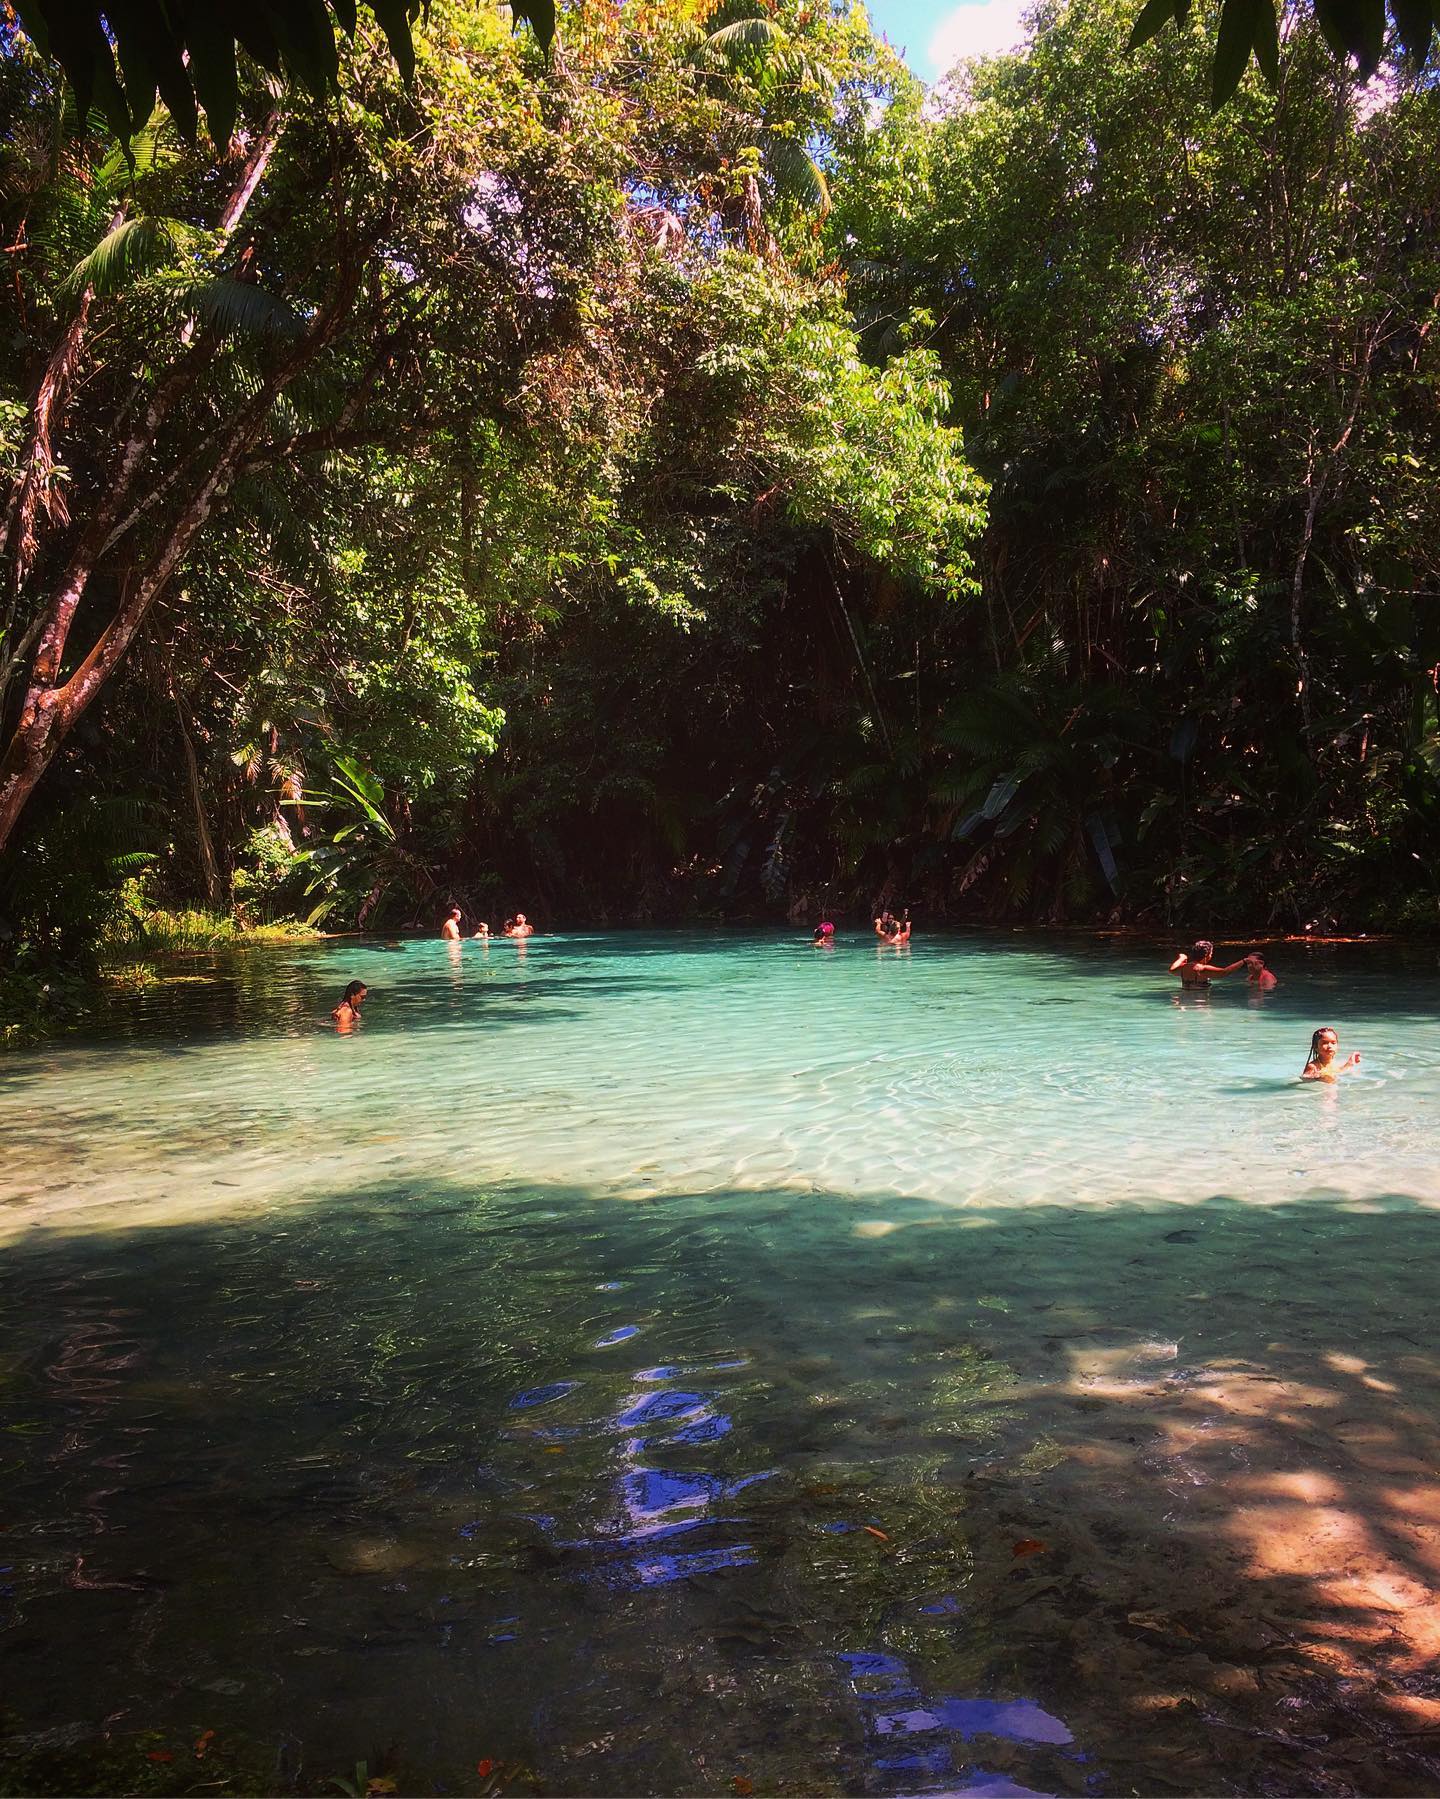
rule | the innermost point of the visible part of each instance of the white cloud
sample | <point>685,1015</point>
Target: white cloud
<point>981,28</point>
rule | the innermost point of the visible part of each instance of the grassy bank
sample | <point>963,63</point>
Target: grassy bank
<point>42,995</point>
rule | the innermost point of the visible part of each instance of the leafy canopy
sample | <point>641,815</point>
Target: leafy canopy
<point>187,51</point>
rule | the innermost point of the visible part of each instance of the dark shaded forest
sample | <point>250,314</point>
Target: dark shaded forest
<point>699,473</point>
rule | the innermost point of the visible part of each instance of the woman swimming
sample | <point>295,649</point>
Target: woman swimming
<point>1323,1063</point>
<point>347,1013</point>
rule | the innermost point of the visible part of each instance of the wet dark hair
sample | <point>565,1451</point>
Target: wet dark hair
<point>1201,950</point>
<point>353,991</point>
<point>1314,1055</point>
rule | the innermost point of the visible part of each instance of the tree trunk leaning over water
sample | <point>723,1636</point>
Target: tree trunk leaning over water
<point>195,485</point>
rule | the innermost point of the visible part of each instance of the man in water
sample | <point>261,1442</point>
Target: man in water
<point>484,932</point>
<point>450,930</point>
<point>1195,967</point>
<point>1257,974</point>
<point>347,1013</point>
<point>886,925</point>
<point>520,928</point>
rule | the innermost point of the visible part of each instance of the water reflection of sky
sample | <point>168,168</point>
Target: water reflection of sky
<point>925,1740</point>
<point>655,1518</point>
<point>648,1503</point>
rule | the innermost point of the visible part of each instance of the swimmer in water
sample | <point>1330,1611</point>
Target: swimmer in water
<point>1324,1063</point>
<point>824,937</point>
<point>450,930</point>
<point>886,925</point>
<point>520,928</point>
<point>347,1013</point>
<point>484,932</point>
<point>1195,967</point>
<point>1257,974</point>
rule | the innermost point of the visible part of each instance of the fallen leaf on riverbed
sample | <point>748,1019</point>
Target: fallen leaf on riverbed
<point>375,1788</point>
<point>554,1449</point>
<point>202,1743</point>
<point>1027,1546</point>
<point>1162,1626</point>
<point>160,1755</point>
<point>742,1786</point>
<point>485,1768</point>
<point>870,1530</point>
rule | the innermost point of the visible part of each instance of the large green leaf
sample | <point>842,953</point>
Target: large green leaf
<point>188,53</point>
<point>1154,16</point>
<point>1233,45</point>
<point>1415,21</point>
<point>130,250</point>
<point>1352,28</point>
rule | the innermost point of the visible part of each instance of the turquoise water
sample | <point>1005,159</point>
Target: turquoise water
<point>668,1360</point>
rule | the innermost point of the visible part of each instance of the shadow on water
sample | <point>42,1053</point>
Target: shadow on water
<point>830,1496</point>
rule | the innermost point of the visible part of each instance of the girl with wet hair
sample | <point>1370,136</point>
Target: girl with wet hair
<point>1323,1062</point>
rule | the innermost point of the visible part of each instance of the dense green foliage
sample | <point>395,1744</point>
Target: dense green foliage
<point>695,475</point>
<point>189,54</point>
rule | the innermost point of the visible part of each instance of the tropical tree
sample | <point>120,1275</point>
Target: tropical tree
<point>327,296</point>
<point>189,56</point>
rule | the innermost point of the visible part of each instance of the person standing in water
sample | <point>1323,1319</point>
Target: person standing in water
<point>1196,968</point>
<point>484,932</point>
<point>1323,1063</point>
<point>347,1013</point>
<point>824,937</point>
<point>450,930</point>
<point>520,928</point>
<point>896,930</point>
<point>1257,974</point>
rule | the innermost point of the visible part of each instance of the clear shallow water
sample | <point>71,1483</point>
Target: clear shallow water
<point>650,1358</point>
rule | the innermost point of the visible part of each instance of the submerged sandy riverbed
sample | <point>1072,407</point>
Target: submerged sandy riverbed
<point>665,1365</point>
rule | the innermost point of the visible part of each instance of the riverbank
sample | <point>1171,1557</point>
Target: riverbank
<point>44,995</point>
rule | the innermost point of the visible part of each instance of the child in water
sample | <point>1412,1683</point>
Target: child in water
<point>1324,1063</point>
<point>1257,974</point>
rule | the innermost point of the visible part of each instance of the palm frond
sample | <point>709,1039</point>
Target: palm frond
<point>742,35</point>
<point>239,306</point>
<point>795,174</point>
<point>131,250</point>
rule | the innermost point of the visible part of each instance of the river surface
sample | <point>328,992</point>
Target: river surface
<point>703,1363</point>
